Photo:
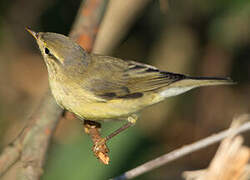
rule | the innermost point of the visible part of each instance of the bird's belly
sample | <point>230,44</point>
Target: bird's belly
<point>103,110</point>
<point>112,109</point>
<point>87,106</point>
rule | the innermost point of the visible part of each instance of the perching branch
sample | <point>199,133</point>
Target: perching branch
<point>31,146</point>
<point>188,149</point>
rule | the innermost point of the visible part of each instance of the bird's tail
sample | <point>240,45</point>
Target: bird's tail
<point>189,83</point>
<point>204,81</point>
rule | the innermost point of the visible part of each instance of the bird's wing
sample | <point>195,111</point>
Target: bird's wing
<point>115,78</point>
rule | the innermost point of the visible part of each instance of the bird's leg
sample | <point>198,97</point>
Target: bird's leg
<point>101,142</point>
<point>131,121</point>
<point>100,148</point>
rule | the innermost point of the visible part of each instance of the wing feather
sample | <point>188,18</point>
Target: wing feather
<point>116,78</point>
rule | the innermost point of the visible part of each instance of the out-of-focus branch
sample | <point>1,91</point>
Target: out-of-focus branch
<point>119,17</point>
<point>178,153</point>
<point>230,161</point>
<point>163,5</point>
<point>9,156</point>
<point>87,23</point>
<point>36,139</point>
<point>31,146</point>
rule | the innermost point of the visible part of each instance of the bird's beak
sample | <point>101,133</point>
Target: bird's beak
<point>33,33</point>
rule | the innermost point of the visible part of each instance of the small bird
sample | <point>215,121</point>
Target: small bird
<point>97,87</point>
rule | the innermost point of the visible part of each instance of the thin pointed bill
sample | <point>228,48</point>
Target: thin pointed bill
<point>33,33</point>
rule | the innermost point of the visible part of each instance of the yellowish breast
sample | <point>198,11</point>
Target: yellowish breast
<point>84,104</point>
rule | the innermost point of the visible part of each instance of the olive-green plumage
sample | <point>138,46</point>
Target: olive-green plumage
<point>97,87</point>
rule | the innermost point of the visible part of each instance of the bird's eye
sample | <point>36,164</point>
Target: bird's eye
<point>46,51</point>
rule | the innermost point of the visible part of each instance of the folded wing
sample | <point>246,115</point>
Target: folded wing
<point>116,78</point>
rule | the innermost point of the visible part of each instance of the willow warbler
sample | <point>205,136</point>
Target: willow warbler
<point>97,87</point>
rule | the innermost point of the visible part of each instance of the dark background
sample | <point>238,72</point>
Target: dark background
<point>202,38</point>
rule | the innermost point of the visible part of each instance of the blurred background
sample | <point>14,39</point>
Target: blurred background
<point>200,38</point>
